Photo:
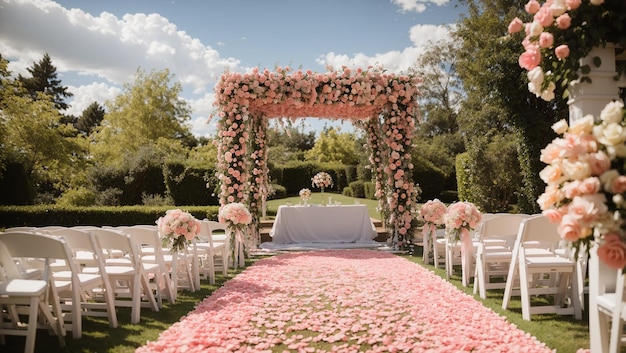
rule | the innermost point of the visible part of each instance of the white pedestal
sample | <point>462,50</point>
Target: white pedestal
<point>590,98</point>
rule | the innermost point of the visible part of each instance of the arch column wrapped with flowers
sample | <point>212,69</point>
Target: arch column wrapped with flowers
<point>246,101</point>
<point>572,43</point>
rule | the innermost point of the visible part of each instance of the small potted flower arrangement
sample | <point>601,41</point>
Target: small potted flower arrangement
<point>305,195</point>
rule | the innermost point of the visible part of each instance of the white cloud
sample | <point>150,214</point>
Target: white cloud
<point>417,5</point>
<point>87,94</point>
<point>106,47</point>
<point>394,61</point>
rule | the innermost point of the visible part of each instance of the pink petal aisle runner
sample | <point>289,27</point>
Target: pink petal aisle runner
<point>341,301</point>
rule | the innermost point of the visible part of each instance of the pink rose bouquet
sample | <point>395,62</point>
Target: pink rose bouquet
<point>460,219</point>
<point>322,180</point>
<point>585,181</point>
<point>433,212</point>
<point>235,214</point>
<point>178,228</point>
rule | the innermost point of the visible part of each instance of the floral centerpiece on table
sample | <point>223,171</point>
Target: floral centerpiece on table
<point>560,33</point>
<point>586,183</point>
<point>177,228</point>
<point>322,180</point>
<point>305,194</point>
<point>461,218</point>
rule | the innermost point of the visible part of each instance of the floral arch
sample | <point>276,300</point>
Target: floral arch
<point>385,104</point>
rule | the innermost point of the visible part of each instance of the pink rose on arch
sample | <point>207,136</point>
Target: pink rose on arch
<point>515,26</point>
<point>530,58</point>
<point>532,7</point>
<point>612,251</point>
<point>569,229</point>
<point>546,40</point>
<point>572,4</point>
<point>562,51</point>
<point>553,214</point>
<point>563,21</point>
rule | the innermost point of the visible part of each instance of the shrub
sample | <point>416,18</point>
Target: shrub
<point>429,177</point>
<point>279,192</point>
<point>358,189</point>
<point>80,196</point>
<point>370,190</point>
<point>347,191</point>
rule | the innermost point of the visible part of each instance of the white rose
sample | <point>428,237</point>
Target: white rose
<point>583,125</point>
<point>535,29</point>
<point>532,88</point>
<point>575,170</point>
<point>611,134</point>
<point>536,76</point>
<point>612,112</point>
<point>558,7</point>
<point>560,127</point>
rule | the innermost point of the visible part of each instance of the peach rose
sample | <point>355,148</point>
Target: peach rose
<point>572,4</point>
<point>530,58</point>
<point>532,7</point>
<point>563,21</point>
<point>562,51</point>
<point>612,251</point>
<point>515,26</point>
<point>569,229</point>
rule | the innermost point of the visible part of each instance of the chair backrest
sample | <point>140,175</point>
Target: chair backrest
<point>81,240</point>
<point>505,225</point>
<point>540,229</point>
<point>41,246</point>
<point>110,241</point>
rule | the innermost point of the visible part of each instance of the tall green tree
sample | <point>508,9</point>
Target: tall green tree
<point>90,118</point>
<point>437,138</point>
<point>148,112</point>
<point>44,79</point>
<point>288,143</point>
<point>498,103</point>
<point>334,146</point>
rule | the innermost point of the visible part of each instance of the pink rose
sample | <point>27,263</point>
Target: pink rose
<point>546,40</point>
<point>563,21</point>
<point>530,58</point>
<point>553,214</point>
<point>515,26</point>
<point>532,7</point>
<point>618,185</point>
<point>599,163</point>
<point>612,251</point>
<point>544,16</point>
<point>569,229</point>
<point>562,51</point>
<point>572,4</point>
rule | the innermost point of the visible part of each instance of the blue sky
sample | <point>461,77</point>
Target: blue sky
<point>98,45</point>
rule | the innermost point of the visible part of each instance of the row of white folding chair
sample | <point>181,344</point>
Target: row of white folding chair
<point>211,249</point>
<point>36,296</point>
<point>78,293</point>
<point>495,240</point>
<point>151,251</point>
<point>537,270</point>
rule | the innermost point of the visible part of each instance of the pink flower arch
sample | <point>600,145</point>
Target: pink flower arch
<point>384,103</point>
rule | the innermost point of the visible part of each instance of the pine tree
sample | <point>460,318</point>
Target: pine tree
<point>44,80</point>
<point>90,118</point>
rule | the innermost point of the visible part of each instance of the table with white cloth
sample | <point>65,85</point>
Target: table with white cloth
<point>322,224</point>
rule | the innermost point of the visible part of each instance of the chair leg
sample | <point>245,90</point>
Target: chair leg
<point>31,330</point>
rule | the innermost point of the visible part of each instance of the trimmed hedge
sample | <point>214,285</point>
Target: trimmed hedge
<point>429,177</point>
<point>45,215</point>
<point>358,189</point>
<point>370,190</point>
<point>190,186</point>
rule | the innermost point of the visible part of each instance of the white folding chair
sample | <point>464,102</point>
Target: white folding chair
<point>17,293</point>
<point>542,272</point>
<point>209,251</point>
<point>127,275</point>
<point>609,301</point>
<point>93,284</point>
<point>496,237</point>
<point>147,241</point>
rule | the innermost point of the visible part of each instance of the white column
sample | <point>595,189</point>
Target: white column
<point>590,98</point>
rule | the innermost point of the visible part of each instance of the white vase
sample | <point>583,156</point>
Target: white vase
<point>590,98</point>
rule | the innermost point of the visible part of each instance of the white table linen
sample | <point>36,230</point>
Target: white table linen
<point>322,224</point>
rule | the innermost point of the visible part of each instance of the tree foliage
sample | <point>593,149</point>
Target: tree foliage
<point>90,118</point>
<point>148,112</point>
<point>44,80</point>
<point>334,146</point>
<point>498,105</point>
